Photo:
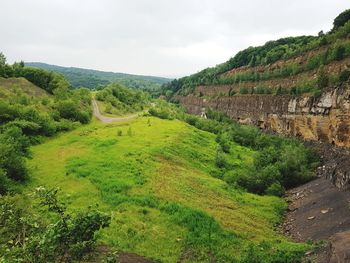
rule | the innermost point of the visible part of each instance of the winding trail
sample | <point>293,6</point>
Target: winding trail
<point>105,119</point>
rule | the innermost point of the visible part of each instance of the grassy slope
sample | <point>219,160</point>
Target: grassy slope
<point>135,177</point>
<point>10,87</point>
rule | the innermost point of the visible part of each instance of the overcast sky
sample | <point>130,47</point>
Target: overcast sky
<point>154,37</point>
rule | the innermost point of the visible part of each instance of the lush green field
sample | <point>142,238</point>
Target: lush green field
<point>153,176</point>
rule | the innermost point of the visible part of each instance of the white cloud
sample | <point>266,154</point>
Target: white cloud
<point>157,37</point>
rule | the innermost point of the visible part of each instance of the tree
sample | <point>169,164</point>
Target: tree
<point>341,19</point>
<point>344,75</point>
<point>339,52</point>
<point>322,78</point>
<point>13,148</point>
<point>2,65</point>
<point>2,59</point>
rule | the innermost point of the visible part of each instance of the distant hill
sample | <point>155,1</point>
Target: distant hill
<point>93,79</point>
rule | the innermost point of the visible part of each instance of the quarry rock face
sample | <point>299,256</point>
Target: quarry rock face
<point>325,119</point>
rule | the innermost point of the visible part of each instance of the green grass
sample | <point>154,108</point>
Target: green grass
<point>157,185</point>
<point>12,86</point>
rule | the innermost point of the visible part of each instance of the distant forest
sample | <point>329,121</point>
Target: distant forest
<point>94,79</point>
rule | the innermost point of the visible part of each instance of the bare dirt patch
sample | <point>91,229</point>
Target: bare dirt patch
<point>320,211</point>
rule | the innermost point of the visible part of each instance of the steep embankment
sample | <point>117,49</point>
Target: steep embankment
<point>294,86</point>
<point>326,118</point>
<point>15,87</point>
<point>298,87</point>
<point>323,117</point>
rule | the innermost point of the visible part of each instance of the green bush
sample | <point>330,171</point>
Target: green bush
<point>162,113</point>
<point>220,160</point>
<point>13,149</point>
<point>121,99</point>
<point>69,109</point>
<point>344,75</point>
<point>278,161</point>
<point>243,90</point>
<point>66,238</point>
<point>275,189</point>
<point>322,78</point>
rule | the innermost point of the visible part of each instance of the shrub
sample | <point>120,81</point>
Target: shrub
<point>322,78</point>
<point>243,90</point>
<point>5,183</point>
<point>344,75</point>
<point>13,149</point>
<point>220,159</point>
<point>224,143</point>
<point>339,52</point>
<point>68,237</point>
<point>161,113</point>
<point>69,109</point>
<point>275,189</point>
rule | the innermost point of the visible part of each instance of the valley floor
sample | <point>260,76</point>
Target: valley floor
<point>153,176</point>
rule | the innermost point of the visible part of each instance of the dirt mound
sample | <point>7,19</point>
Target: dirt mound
<point>317,211</point>
<point>320,211</point>
<point>340,248</point>
<point>132,258</point>
<point>335,164</point>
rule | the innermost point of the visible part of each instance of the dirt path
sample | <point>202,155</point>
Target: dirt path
<point>106,119</point>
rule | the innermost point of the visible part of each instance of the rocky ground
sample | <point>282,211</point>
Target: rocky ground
<point>320,209</point>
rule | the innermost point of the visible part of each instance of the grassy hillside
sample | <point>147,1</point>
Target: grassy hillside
<point>12,87</point>
<point>29,113</point>
<point>153,176</point>
<point>94,79</point>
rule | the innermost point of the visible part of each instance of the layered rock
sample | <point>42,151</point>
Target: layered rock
<point>326,118</point>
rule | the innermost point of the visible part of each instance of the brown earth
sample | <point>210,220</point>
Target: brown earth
<point>320,210</point>
<point>286,82</point>
<point>317,211</point>
<point>132,258</point>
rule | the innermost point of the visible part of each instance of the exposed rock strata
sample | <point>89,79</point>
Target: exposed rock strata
<point>326,118</point>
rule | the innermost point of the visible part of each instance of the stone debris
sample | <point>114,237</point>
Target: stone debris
<point>339,248</point>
